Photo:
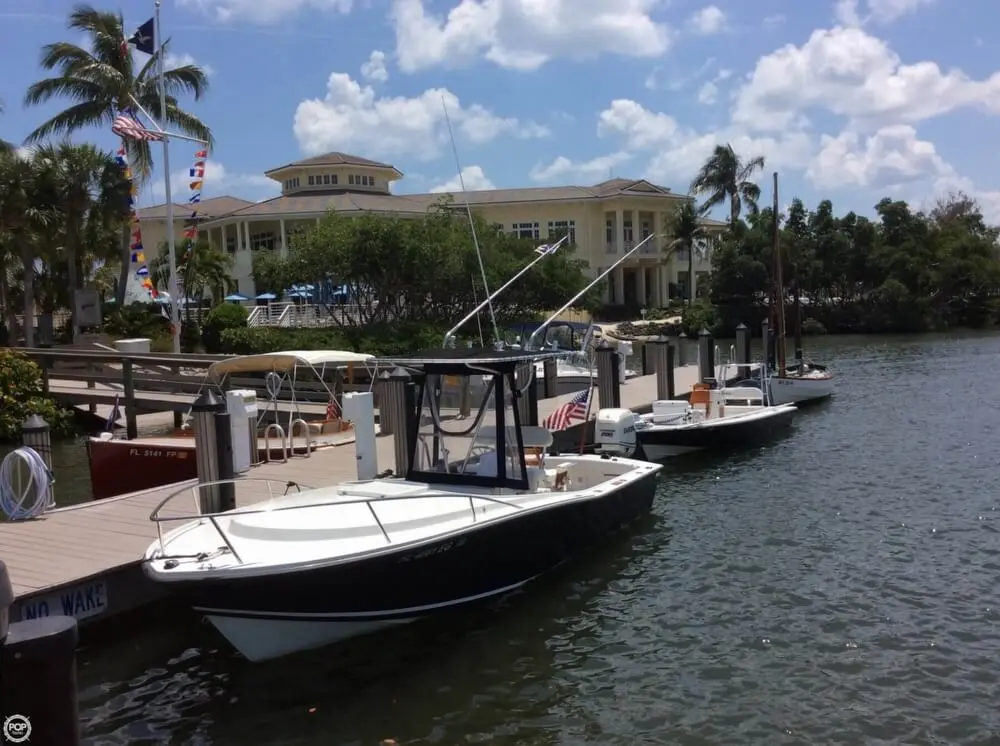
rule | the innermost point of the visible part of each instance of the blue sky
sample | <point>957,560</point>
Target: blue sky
<point>850,100</point>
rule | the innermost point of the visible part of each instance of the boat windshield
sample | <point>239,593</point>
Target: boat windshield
<point>467,424</point>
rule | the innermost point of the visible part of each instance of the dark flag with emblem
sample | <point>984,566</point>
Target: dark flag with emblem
<point>143,37</point>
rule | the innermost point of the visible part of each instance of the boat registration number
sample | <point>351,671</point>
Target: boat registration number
<point>432,551</point>
<point>81,601</point>
<point>157,453</point>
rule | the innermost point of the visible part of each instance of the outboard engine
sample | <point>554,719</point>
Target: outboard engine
<point>614,432</point>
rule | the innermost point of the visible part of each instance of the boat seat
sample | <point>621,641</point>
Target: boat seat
<point>669,407</point>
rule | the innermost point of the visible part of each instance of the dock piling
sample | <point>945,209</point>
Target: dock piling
<point>37,435</point>
<point>224,454</point>
<point>662,359</point>
<point>706,356</point>
<point>395,405</point>
<point>386,424</point>
<point>742,349</point>
<point>550,377</point>
<point>608,384</point>
<point>682,356</point>
<point>128,388</point>
<point>203,413</point>
<point>767,340</point>
<point>527,405</point>
<point>37,676</point>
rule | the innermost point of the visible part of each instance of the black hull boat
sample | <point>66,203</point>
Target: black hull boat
<point>268,615</point>
<point>315,567</point>
<point>719,419</point>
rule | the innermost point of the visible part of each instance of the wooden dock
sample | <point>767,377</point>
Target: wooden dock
<point>84,560</point>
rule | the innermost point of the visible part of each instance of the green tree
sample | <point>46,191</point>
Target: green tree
<point>727,177</point>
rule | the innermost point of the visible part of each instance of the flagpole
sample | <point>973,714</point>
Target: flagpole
<point>175,314</point>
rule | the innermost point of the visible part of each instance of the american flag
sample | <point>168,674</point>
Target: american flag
<point>331,410</point>
<point>545,249</point>
<point>127,126</point>
<point>574,409</point>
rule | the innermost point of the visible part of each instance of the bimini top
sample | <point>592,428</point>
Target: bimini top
<point>283,362</point>
<point>457,361</point>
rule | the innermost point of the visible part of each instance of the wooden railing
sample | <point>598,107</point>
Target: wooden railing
<point>179,376</point>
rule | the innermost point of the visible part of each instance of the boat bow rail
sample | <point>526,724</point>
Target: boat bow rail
<point>267,508</point>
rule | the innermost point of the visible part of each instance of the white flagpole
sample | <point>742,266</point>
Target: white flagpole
<point>175,315</point>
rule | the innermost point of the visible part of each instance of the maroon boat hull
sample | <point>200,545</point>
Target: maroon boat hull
<point>121,466</point>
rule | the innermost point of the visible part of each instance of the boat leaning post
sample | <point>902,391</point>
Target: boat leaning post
<point>359,408</point>
<point>743,349</point>
<point>206,445</point>
<point>226,495</point>
<point>386,424</point>
<point>38,697</point>
<point>706,356</point>
<point>661,355</point>
<point>608,382</point>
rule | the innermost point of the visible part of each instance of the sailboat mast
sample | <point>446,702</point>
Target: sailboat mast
<point>779,290</point>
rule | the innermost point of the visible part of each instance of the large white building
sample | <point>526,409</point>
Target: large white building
<point>604,220</point>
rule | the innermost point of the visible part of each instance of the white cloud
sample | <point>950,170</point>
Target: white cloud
<point>263,12</point>
<point>563,170</point>
<point>473,178</point>
<point>172,61</point>
<point>855,75</point>
<point>219,182</point>
<point>894,155</point>
<point>707,21</point>
<point>525,34</point>
<point>676,152</point>
<point>374,68</point>
<point>352,117</point>
<point>708,94</point>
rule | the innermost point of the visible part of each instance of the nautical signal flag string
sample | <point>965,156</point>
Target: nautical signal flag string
<point>196,174</point>
<point>137,257</point>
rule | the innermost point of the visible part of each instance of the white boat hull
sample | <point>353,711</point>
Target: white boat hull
<point>264,639</point>
<point>796,390</point>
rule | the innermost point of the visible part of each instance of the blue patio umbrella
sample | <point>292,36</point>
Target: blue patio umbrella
<point>236,298</point>
<point>267,296</point>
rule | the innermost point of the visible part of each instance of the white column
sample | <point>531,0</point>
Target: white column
<point>284,242</point>
<point>620,234</point>
<point>619,278</point>
<point>640,285</point>
<point>664,282</point>
<point>246,236</point>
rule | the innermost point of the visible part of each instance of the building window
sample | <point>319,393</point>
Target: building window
<point>647,228</point>
<point>260,241</point>
<point>526,230</point>
<point>333,178</point>
<point>350,179</point>
<point>312,181</point>
<point>498,227</point>
<point>628,231</point>
<point>295,181</point>
<point>326,178</point>
<point>230,244</point>
<point>560,228</point>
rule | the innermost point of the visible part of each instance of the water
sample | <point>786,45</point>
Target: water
<point>838,586</point>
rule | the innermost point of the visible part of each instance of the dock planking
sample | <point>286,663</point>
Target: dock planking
<point>84,559</point>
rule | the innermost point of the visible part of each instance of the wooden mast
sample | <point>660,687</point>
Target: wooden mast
<point>779,290</point>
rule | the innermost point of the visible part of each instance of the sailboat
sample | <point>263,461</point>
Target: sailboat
<point>803,381</point>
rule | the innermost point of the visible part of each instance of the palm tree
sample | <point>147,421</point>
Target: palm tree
<point>687,230</point>
<point>725,176</point>
<point>102,80</point>
<point>202,269</point>
<point>25,215</point>
<point>75,173</point>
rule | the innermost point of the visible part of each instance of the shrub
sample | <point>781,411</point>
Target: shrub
<point>137,320</point>
<point>219,320</point>
<point>700,315</point>
<point>22,395</point>
<point>380,340</point>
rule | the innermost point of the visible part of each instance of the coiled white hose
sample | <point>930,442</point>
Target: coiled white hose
<point>34,495</point>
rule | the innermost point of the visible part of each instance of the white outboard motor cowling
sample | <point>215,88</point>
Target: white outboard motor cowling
<point>614,432</point>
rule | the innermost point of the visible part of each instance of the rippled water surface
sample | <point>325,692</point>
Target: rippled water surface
<point>838,586</point>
